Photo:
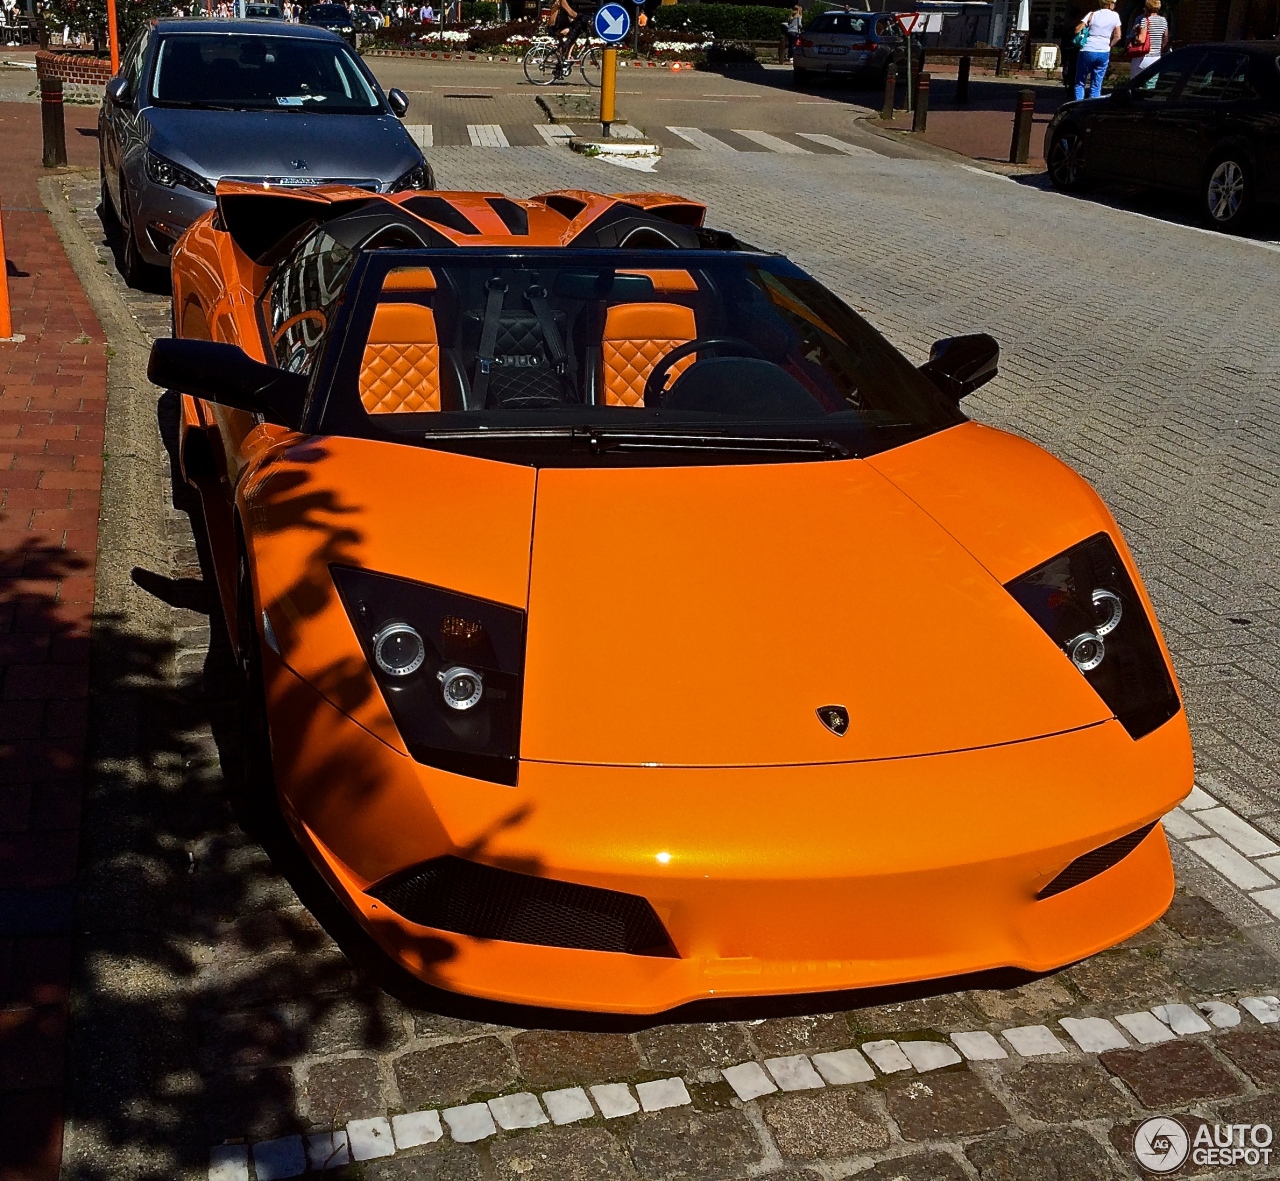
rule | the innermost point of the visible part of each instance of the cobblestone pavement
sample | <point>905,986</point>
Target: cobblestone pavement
<point>217,1009</point>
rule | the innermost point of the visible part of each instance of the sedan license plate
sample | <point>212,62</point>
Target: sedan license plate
<point>832,49</point>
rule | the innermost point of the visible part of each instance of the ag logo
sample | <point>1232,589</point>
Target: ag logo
<point>1161,1144</point>
<point>835,718</point>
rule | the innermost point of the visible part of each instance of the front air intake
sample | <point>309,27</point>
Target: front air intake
<point>1089,865</point>
<point>452,894</point>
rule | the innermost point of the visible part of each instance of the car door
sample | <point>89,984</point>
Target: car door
<point>295,311</point>
<point>1185,130</point>
<point>117,126</point>
<point>1118,132</point>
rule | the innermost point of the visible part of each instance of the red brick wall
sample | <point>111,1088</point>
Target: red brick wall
<point>73,68</point>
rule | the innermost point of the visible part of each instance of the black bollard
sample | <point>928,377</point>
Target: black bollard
<point>890,89</point>
<point>52,123</point>
<point>1024,113</point>
<point>921,116</point>
<point>962,80</point>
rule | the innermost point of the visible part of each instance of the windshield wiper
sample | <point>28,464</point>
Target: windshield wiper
<point>602,442</point>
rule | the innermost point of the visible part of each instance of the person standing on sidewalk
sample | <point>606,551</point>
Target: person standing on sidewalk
<point>1102,29</point>
<point>1149,40</point>
<point>792,27</point>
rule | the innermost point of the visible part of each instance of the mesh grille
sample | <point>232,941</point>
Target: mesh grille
<point>452,894</point>
<point>1093,863</point>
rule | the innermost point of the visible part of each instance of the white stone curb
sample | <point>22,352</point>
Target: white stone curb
<point>568,1106</point>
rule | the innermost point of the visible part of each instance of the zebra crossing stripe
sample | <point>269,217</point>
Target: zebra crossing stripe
<point>700,139</point>
<point>487,135</point>
<point>421,134</point>
<point>772,142</point>
<point>554,134</point>
<point>830,141</point>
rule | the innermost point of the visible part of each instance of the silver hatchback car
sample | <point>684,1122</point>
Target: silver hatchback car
<point>853,44</point>
<point>198,101</point>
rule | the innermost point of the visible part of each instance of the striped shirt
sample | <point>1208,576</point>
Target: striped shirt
<point>1158,31</point>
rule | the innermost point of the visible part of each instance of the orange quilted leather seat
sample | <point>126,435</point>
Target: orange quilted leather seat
<point>636,337</point>
<point>400,369</point>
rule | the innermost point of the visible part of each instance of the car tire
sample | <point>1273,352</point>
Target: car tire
<point>1228,192</point>
<point>133,267</point>
<point>1065,159</point>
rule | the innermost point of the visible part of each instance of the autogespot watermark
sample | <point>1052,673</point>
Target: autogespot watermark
<point>1163,1144</point>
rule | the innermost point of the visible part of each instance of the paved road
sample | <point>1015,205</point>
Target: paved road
<point>215,1005</point>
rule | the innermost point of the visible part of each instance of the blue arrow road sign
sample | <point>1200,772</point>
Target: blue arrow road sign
<point>612,22</point>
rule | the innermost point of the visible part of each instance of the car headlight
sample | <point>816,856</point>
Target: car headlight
<point>1087,604</point>
<point>165,172</point>
<point>419,176</point>
<point>449,666</point>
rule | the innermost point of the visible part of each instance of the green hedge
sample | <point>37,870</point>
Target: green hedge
<point>726,22</point>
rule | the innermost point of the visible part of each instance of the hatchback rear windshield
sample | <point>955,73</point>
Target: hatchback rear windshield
<point>841,22</point>
<point>546,349</point>
<point>253,72</point>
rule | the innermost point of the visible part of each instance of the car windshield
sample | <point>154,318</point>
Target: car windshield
<point>607,351</point>
<point>254,72</point>
<point>840,22</point>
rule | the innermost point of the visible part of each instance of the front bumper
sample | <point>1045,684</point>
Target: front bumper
<point>162,215</point>
<point>777,880</point>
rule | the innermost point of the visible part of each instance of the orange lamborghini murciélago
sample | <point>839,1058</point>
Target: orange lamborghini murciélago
<point>631,623</point>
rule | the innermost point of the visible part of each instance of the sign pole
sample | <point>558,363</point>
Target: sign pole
<point>113,37</point>
<point>608,89</point>
<point>910,101</point>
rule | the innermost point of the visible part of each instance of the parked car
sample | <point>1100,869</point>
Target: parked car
<point>197,100</point>
<point>331,16</point>
<point>263,12</point>
<point>367,20</point>
<point>848,44</point>
<point>1203,120</point>
<point>795,680</point>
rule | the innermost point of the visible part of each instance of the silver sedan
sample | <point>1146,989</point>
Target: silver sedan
<point>198,101</point>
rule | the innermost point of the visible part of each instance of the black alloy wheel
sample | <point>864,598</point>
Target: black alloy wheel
<point>1227,192</point>
<point>1066,159</point>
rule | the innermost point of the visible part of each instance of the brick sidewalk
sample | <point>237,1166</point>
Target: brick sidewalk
<point>983,129</point>
<point>52,404</point>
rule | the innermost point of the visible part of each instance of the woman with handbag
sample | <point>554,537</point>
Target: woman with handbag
<point>1095,35</point>
<point>1149,40</point>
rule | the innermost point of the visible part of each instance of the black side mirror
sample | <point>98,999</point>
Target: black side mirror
<point>958,365</point>
<point>227,375</point>
<point>119,91</point>
<point>398,101</point>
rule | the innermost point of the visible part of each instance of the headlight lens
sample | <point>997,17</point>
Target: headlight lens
<point>165,172</point>
<point>1087,604</point>
<point>419,176</point>
<point>449,667</point>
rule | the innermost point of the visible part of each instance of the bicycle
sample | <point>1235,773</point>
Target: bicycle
<point>549,60</point>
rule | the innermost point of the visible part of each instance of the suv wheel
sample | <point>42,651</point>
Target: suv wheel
<point>1066,159</point>
<point>1226,194</point>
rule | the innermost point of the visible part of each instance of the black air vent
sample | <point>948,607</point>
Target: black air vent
<point>452,894</point>
<point>514,217</point>
<point>438,210</point>
<point>567,207</point>
<point>1093,863</point>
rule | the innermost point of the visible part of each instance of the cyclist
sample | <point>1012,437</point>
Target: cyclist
<point>567,23</point>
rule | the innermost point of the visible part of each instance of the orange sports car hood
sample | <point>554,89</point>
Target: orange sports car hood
<point>702,615</point>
